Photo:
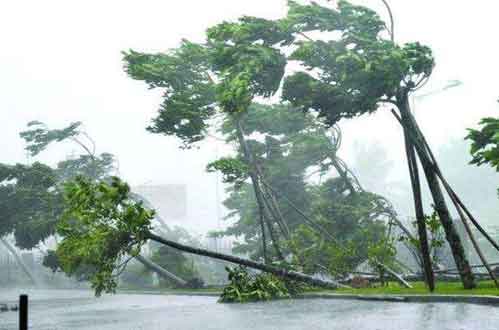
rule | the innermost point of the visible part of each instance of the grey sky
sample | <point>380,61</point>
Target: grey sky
<point>60,61</point>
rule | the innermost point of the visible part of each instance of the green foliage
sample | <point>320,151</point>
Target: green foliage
<point>96,167</point>
<point>352,221</point>
<point>337,78</point>
<point>29,202</point>
<point>435,233</point>
<point>485,143</point>
<point>245,287</point>
<point>382,251</point>
<point>189,92</point>
<point>234,170</point>
<point>39,136</point>
<point>101,226</point>
<point>349,76</point>
<point>317,254</point>
<point>31,195</point>
<point>289,144</point>
<point>237,63</point>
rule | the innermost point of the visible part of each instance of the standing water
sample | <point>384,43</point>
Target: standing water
<point>78,310</point>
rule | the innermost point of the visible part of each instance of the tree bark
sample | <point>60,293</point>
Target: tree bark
<point>258,193</point>
<point>160,270</point>
<point>410,126</point>
<point>288,274</point>
<point>418,207</point>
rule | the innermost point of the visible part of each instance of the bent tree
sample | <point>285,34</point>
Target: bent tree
<point>338,62</point>
<point>240,64</point>
<point>353,74</point>
<point>200,83</point>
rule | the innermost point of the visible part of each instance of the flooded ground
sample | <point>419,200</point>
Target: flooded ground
<point>78,310</point>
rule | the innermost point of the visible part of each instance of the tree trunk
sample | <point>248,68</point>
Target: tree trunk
<point>418,207</point>
<point>393,273</point>
<point>284,273</point>
<point>19,261</point>
<point>452,236</point>
<point>264,218</point>
<point>160,270</point>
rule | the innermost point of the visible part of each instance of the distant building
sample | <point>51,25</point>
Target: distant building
<point>189,206</point>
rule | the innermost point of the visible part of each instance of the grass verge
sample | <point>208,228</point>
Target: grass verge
<point>448,288</point>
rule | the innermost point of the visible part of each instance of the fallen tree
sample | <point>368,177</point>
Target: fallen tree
<point>282,272</point>
<point>102,225</point>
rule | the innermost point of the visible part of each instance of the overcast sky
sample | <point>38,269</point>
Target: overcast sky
<point>60,61</point>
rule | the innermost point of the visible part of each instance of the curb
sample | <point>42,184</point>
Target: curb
<point>471,299</point>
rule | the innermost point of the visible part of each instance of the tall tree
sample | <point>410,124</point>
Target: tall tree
<point>344,73</point>
<point>219,77</point>
<point>352,75</point>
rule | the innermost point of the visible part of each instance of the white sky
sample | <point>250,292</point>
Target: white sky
<point>60,61</point>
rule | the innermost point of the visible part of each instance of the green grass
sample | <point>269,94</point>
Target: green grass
<point>485,288</point>
<point>448,288</point>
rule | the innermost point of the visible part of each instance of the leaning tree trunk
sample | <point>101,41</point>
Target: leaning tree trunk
<point>418,207</point>
<point>412,129</point>
<point>19,260</point>
<point>284,273</point>
<point>160,270</point>
<point>258,193</point>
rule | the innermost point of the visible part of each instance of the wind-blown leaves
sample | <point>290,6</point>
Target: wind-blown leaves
<point>485,143</point>
<point>189,92</point>
<point>234,170</point>
<point>29,202</point>
<point>348,76</point>
<point>38,137</point>
<point>101,225</point>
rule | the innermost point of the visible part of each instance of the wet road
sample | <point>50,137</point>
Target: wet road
<point>79,310</point>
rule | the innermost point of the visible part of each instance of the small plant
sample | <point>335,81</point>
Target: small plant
<point>245,287</point>
<point>436,236</point>
<point>382,253</point>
